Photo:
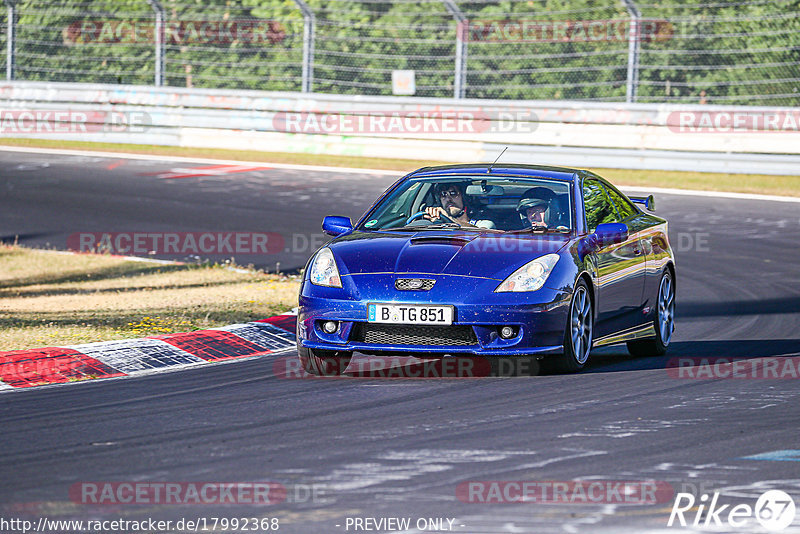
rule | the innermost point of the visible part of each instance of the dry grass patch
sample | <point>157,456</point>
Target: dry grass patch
<point>704,181</point>
<point>256,156</point>
<point>53,299</point>
<point>761,184</point>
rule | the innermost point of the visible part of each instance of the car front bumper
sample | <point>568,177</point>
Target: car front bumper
<point>539,317</point>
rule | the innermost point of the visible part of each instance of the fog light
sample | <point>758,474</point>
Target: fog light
<point>507,332</point>
<point>330,327</point>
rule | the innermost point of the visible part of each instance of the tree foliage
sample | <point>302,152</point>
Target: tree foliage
<point>723,52</point>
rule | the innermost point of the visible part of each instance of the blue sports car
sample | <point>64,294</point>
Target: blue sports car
<point>490,260</point>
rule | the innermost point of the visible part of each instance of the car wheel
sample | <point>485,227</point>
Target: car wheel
<point>577,334</point>
<point>664,321</point>
<point>324,362</point>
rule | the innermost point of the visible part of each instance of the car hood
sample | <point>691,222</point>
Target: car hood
<point>487,255</point>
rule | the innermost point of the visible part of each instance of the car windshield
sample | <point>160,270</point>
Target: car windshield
<point>500,204</point>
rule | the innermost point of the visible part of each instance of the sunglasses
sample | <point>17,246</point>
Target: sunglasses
<point>452,194</point>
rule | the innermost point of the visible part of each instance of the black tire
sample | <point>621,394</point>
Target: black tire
<point>580,323</point>
<point>324,362</point>
<point>664,322</point>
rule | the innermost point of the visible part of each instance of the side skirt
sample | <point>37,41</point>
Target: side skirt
<point>636,332</point>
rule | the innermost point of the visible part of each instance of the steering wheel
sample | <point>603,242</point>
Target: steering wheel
<point>419,214</point>
<point>415,217</point>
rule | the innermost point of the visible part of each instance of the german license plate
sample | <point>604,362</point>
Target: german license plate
<point>409,313</point>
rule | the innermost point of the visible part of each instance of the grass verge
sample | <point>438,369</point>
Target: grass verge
<point>402,165</point>
<point>740,183</point>
<point>54,299</point>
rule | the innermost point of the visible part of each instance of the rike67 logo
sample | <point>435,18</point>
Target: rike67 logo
<point>774,510</point>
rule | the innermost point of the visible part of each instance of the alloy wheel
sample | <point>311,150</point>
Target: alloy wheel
<point>666,309</point>
<point>581,323</point>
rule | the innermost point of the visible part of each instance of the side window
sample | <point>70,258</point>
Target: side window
<point>623,205</point>
<point>598,208</point>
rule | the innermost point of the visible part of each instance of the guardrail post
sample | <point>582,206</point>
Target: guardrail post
<point>462,35</point>
<point>633,51</point>
<point>158,34</point>
<point>309,31</point>
<point>11,39</point>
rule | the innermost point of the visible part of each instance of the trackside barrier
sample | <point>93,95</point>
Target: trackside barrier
<point>585,134</point>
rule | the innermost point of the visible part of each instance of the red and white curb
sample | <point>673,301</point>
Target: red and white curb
<point>133,357</point>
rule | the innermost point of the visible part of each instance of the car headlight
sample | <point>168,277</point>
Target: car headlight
<point>530,276</point>
<point>324,271</point>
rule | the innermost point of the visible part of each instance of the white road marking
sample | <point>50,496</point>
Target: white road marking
<point>350,170</point>
<point>712,194</point>
<point>181,159</point>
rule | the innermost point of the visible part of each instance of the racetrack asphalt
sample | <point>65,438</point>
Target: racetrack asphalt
<point>383,448</point>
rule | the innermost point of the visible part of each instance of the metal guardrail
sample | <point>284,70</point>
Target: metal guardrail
<point>615,135</point>
<point>614,51</point>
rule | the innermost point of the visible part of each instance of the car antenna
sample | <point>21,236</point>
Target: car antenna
<point>489,170</point>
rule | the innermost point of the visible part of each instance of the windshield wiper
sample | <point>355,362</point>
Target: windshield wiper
<point>542,230</point>
<point>446,225</point>
<point>408,228</point>
<point>414,228</point>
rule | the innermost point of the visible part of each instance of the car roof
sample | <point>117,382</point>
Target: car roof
<point>542,171</point>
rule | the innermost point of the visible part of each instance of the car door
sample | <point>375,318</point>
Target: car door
<point>619,268</point>
<point>638,226</point>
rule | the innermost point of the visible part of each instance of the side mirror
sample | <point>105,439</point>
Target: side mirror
<point>610,234</point>
<point>335,225</point>
<point>648,202</point>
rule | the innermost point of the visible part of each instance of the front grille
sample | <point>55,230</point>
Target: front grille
<point>410,334</point>
<point>414,284</point>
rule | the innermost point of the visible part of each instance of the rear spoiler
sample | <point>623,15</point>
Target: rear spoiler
<point>649,202</point>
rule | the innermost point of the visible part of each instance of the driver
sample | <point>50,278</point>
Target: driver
<point>454,207</point>
<point>535,207</point>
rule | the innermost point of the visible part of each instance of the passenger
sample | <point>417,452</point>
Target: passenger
<point>536,208</point>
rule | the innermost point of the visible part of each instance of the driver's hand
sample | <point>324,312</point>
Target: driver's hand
<point>433,212</point>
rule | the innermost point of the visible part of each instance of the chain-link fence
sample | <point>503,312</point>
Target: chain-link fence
<point>3,46</point>
<point>716,52</point>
